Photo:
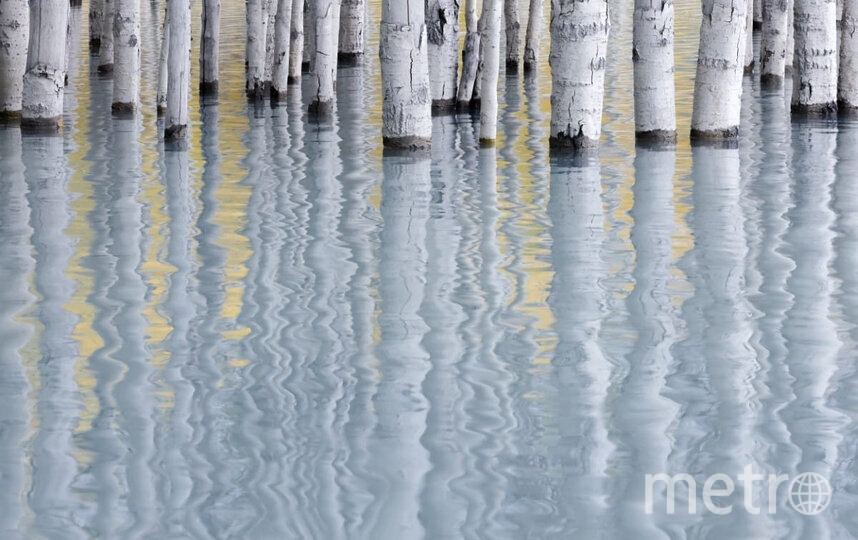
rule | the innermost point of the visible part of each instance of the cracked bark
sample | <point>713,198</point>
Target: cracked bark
<point>14,34</point>
<point>815,62</point>
<point>442,25</point>
<point>179,70</point>
<point>653,58</point>
<point>324,66</point>
<point>847,93</point>
<point>44,78</point>
<point>773,46</point>
<point>126,56</point>
<point>282,30</point>
<point>352,31</point>
<point>209,47</point>
<point>534,35</point>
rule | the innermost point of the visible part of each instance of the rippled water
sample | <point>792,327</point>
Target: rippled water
<point>280,334</point>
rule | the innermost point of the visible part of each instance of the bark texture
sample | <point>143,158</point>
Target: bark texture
<point>470,57</point>
<point>96,23</point>
<point>773,47</point>
<point>209,48</point>
<point>282,29</point>
<point>163,69</point>
<point>255,84</point>
<point>352,23</point>
<point>513,34</point>
<point>126,55</point>
<point>815,62</point>
<point>403,50</point>
<point>749,43</point>
<point>14,35</point>
<point>324,66</point>
<point>534,35</point>
<point>579,40</point>
<point>442,25</point>
<point>44,78</point>
<point>652,54</point>
<point>296,41</point>
<point>718,85</point>
<point>179,70</point>
<point>105,49</point>
<point>492,17</point>
<point>847,91</point>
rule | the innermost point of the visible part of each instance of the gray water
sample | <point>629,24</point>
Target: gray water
<point>280,333</point>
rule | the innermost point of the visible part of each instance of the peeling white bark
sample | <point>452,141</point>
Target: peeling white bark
<point>296,41</point>
<point>579,42</point>
<point>352,23</point>
<point>513,34</point>
<point>126,55</point>
<point>255,84</point>
<point>534,35</point>
<point>470,56</point>
<point>652,54</point>
<point>489,70</point>
<point>105,50</point>
<point>720,66</point>
<point>209,48</point>
<point>163,70</point>
<point>442,25</point>
<point>324,65</point>
<point>14,35</point>
<point>815,63</point>
<point>179,70</point>
<point>282,29</point>
<point>773,48</point>
<point>403,51</point>
<point>44,78</point>
<point>847,93</point>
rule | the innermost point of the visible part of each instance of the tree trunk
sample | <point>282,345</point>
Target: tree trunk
<point>105,49</point>
<point>14,35</point>
<point>309,53</point>
<point>513,34</point>
<point>255,85</point>
<point>470,57</point>
<point>718,85</point>
<point>44,78</point>
<point>126,54</point>
<point>790,50</point>
<point>269,14</point>
<point>179,70</point>
<point>209,48</point>
<point>815,80</point>
<point>773,49</point>
<point>296,42</point>
<point>282,29</point>
<point>324,66</point>
<point>442,25</point>
<point>757,9</point>
<point>749,43</point>
<point>96,23</point>
<point>652,54</point>
<point>847,93</point>
<point>352,22</point>
<point>490,68</point>
<point>579,41</point>
<point>403,51</point>
<point>163,69</point>
<point>534,35</point>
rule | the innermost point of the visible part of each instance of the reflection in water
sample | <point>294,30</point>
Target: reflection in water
<point>280,333</point>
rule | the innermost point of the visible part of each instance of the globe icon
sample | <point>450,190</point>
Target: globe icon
<point>809,493</point>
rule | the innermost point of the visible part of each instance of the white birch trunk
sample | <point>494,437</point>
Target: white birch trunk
<point>513,34</point>
<point>96,23</point>
<point>489,71</point>
<point>773,49</point>
<point>255,85</point>
<point>790,51</point>
<point>209,48</point>
<point>579,41</point>
<point>534,35</point>
<point>14,35</point>
<point>296,42</point>
<point>309,53</point>
<point>126,56</point>
<point>44,78</point>
<point>718,85</point>
<point>282,29</point>
<point>749,42</point>
<point>442,25</point>
<point>105,49</point>
<point>352,23</point>
<point>403,51</point>
<point>179,70</point>
<point>163,68</point>
<point>847,93</point>
<point>324,65</point>
<point>652,54</point>
<point>815,77</point>
<point>269,14</point>
<point>470,57</point>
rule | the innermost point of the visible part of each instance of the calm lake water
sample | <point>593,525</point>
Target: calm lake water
<point>279,333</point>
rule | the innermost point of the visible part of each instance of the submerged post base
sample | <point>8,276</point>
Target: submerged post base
<point>815,110</point>
<point>348,59</point>
<point>563,142</point>
<point>656,137</point>
<point>443,107</point>
<point>209,88</point>
<point>321,110</point>
<point>42,126</point>
<point>175,133</point>
<point>715,135</point>
<point>409,143</point>
<point>772,81</point>
<point>123,109</point>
